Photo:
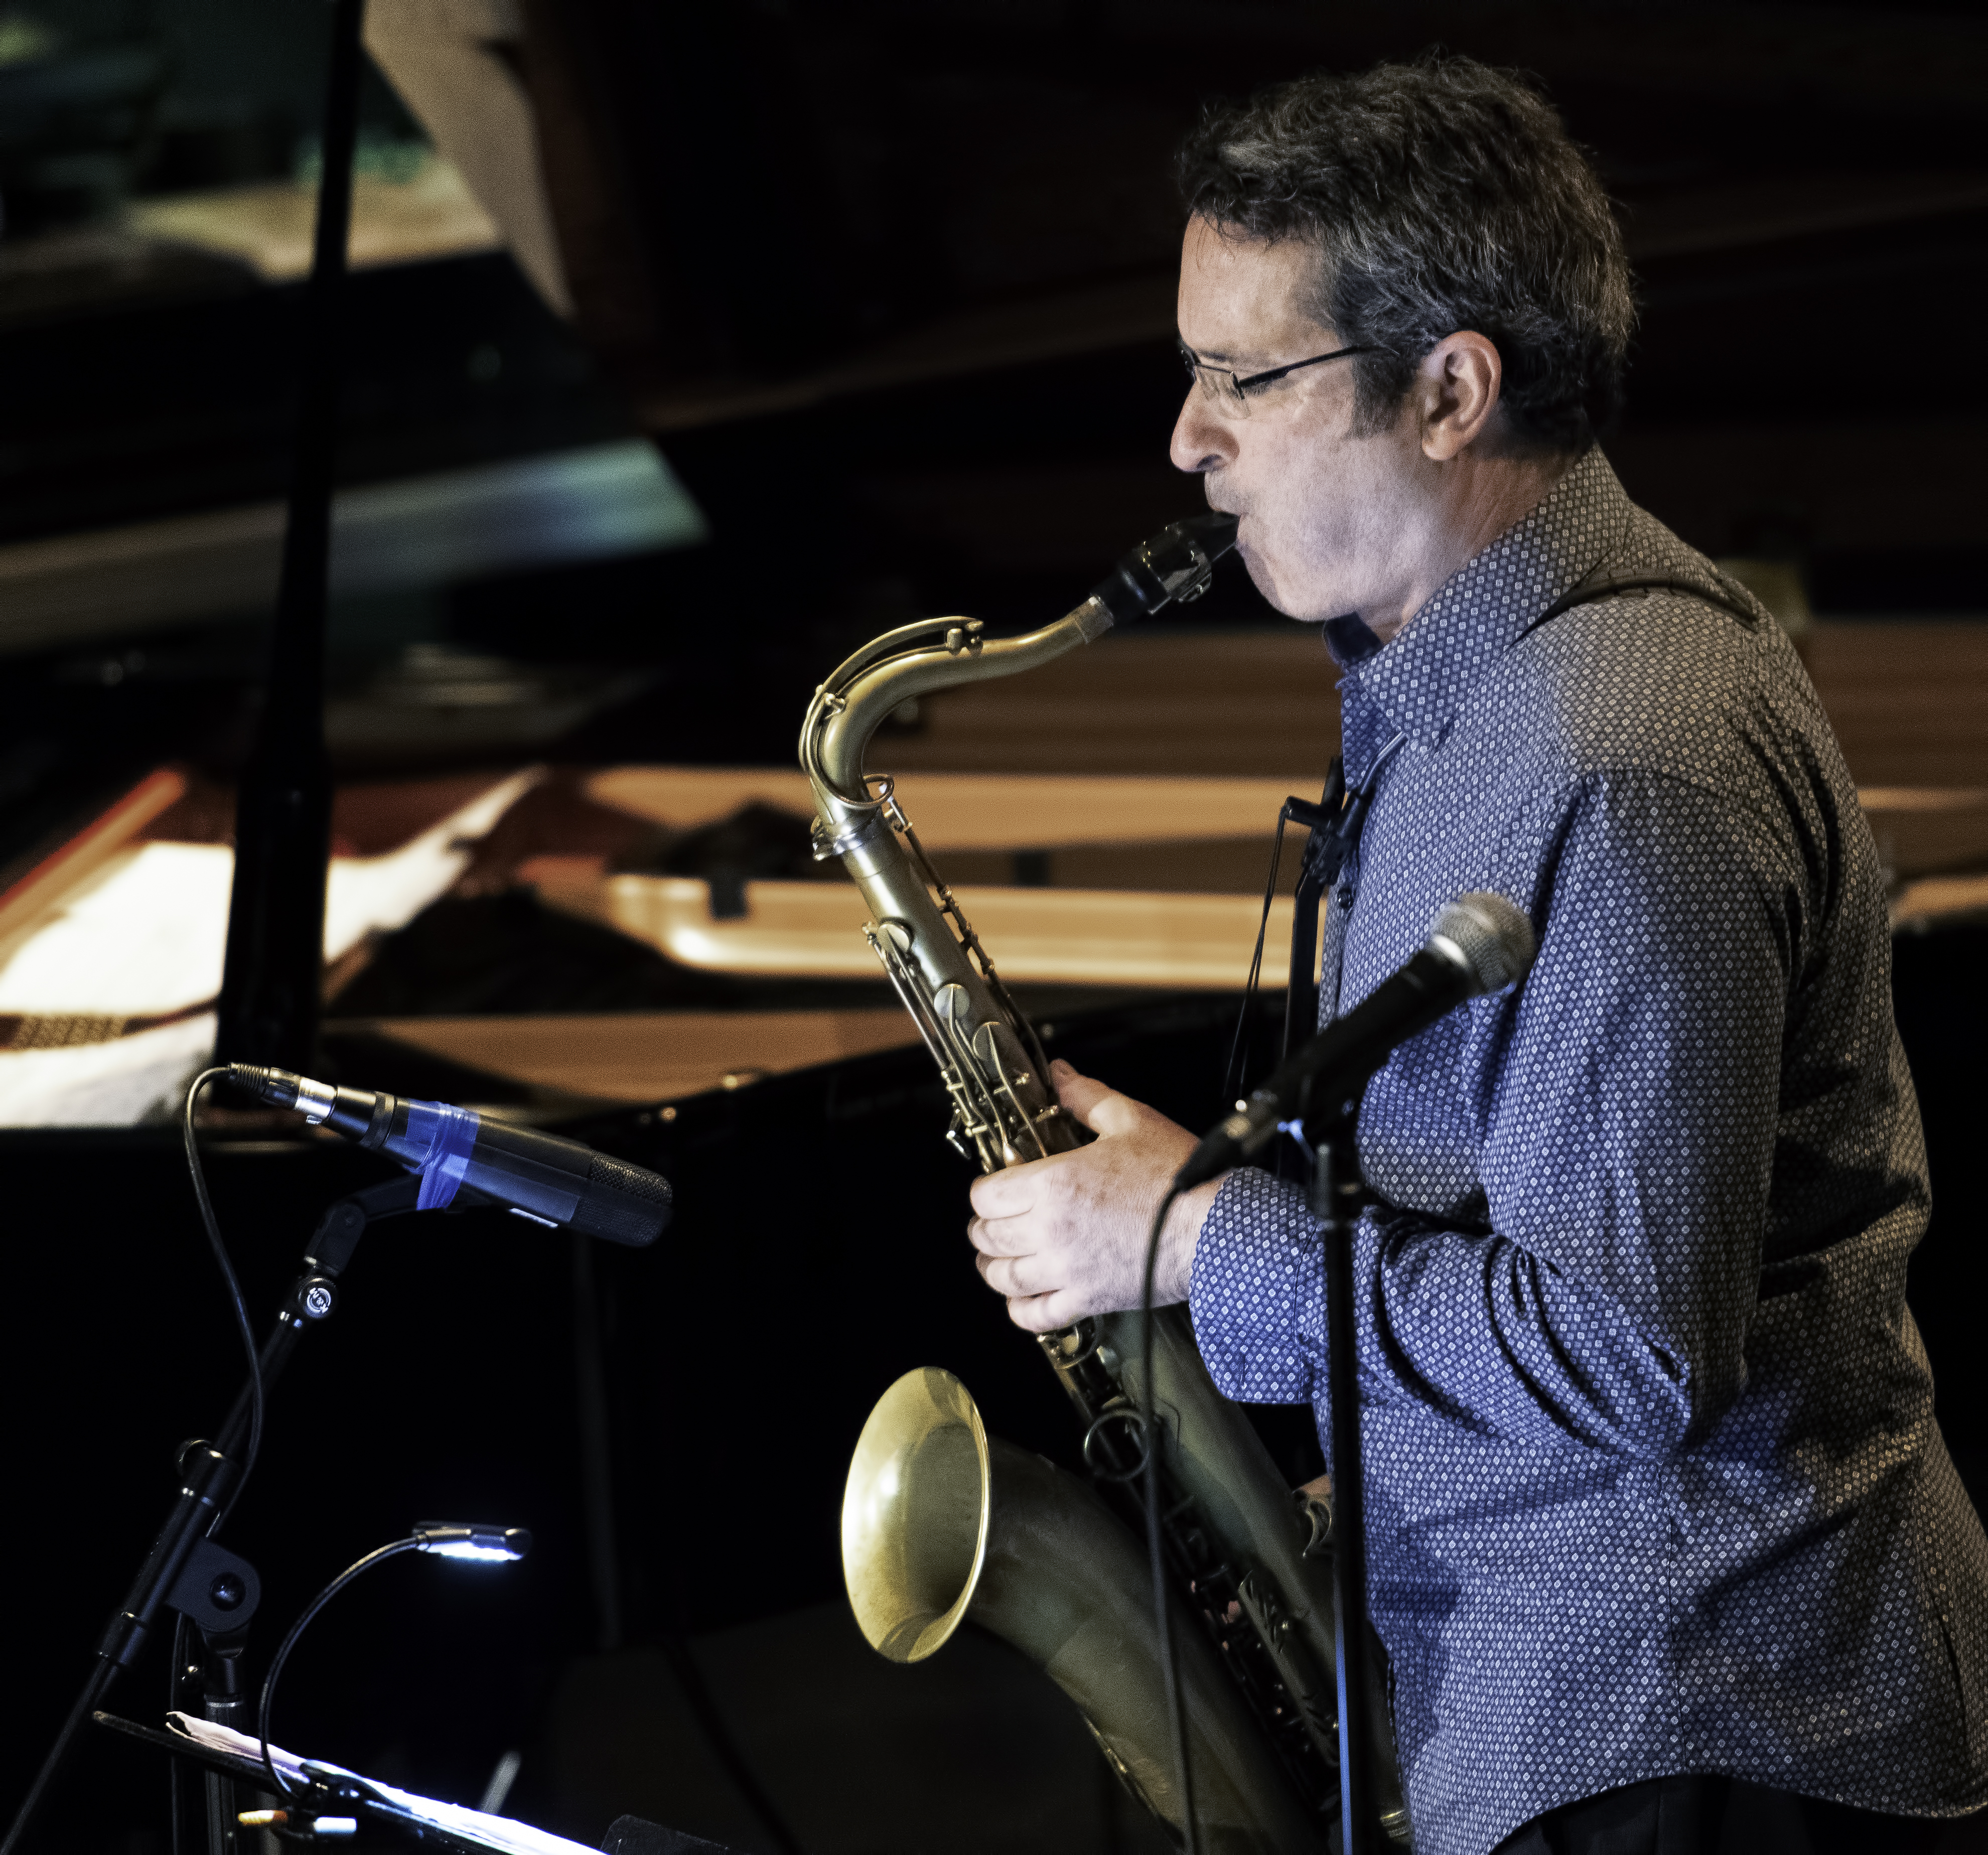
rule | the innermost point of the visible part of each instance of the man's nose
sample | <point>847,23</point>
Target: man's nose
<point>1202,440</point>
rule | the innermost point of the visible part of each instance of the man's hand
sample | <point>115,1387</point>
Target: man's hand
<point>1065,1236</point>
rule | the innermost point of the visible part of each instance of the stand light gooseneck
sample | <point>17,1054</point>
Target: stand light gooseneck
<point>475,1544</point>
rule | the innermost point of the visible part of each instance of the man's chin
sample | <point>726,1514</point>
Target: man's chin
<point>1263,577</point>
<point>1304,604</point>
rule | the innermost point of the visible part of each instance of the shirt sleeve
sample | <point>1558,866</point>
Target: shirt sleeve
<point>1628,1151</point>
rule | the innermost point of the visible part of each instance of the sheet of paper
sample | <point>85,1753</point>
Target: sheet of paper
<point>117,1083</point>
<point>143,938</point>
<point>376,894</point>
<point>505,1834</point>
<point>146,935</point>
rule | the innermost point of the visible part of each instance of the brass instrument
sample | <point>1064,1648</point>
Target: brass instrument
<point>942,1519</point>
<point>1247,1558</point>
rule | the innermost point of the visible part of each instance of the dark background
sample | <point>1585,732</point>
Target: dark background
<point>913,351</point>
<point>906,344</point>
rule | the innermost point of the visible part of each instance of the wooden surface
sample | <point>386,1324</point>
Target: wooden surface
<point>1256,704</point>
<point>1909,701</point>
<point>1048,936</point>
<point>1009,810</point>
<point>27,901</point>
<point>629,1056</point>
<point>1106,819</point>
<point>1923,830</point>
<point>1101,831</point>
<point>1934,899</point>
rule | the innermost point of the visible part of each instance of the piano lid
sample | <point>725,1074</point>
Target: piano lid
<point>746,208</point>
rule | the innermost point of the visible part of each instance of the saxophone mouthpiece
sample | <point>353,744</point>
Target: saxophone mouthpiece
<point>1216,530</point>
<point>1173,568</point>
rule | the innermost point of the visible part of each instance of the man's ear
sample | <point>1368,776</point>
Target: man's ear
<point>1457,387</point>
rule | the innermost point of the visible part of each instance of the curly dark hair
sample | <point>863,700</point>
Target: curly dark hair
<point>1441,195</point>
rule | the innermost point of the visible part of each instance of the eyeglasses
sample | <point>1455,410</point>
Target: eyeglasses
<point>1237,393</point>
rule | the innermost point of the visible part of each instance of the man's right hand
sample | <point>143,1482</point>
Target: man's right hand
<point>1065,1236</point>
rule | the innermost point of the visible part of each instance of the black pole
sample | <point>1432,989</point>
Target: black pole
<point>597,1462</point>
<point>207,1477</point>
<point>1335,1199</point>
<point>273,975</point>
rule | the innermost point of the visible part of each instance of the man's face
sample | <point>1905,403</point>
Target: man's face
<point>1326,516</point>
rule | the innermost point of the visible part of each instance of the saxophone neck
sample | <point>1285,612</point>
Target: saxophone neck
<point>1173,568</point>
<point>1005,1109</point>
<point>917,660</point>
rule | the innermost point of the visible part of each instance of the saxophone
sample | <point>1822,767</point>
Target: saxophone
<point>939,1520</point>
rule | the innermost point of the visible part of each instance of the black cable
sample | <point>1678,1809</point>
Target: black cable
<point>1239,1045</point>
<point>235,1297</point>
<point>278,1781</point>
<point>1163,1621</point>
<point>705,1710</point>
<point>181,1630</point>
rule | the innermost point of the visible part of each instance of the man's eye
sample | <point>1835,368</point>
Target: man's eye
<point>1256,388</point>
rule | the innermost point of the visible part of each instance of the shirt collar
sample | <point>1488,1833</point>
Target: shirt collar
<point>1420,676</point>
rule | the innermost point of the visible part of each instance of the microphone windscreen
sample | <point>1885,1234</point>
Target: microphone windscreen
<point>622,1203</point>
<point>1494,936</point>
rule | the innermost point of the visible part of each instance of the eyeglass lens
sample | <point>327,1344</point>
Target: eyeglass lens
<point>1218,383</point>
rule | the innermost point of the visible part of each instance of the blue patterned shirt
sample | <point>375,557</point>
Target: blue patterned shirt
<point>1653,1481</point>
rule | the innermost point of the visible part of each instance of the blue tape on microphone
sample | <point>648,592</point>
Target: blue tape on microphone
<point>448,1135</point>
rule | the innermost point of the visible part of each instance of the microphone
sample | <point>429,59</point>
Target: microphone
<point>1479,943</point>
<point>539,1176</point>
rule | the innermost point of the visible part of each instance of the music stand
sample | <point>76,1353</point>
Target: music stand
<point>335,1792</point>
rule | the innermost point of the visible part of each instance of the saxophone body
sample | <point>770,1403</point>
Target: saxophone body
<point>1248,1560</point>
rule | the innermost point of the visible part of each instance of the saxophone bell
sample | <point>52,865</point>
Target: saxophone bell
<point>942,1524</point>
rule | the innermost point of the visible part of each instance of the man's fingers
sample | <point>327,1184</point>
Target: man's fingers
<point>1014,1275</point>
<point>1001,1236</point>
<point>1102,1109</point>
<point>1043,1313</point>
<point>1006,1194</point>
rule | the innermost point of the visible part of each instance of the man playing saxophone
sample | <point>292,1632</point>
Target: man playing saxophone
<point>1667,1551</point>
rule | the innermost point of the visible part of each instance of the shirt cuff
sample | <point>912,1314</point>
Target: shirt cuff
<point>1257,1292</point>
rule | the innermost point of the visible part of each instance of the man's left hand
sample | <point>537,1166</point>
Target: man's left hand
<point>1065,1236</point>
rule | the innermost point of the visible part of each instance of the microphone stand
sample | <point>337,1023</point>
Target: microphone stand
<point>224,1695</point>
<point>185,1570</point>
<point>1337,1194</point>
